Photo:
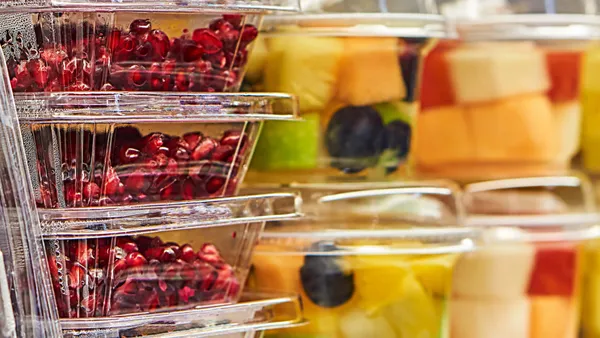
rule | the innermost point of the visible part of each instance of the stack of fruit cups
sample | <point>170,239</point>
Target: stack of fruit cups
<point>369,260</point>
<point>354,66</point>
<point>135,149</point>
<point>525,280</point>
<point>509,88</point>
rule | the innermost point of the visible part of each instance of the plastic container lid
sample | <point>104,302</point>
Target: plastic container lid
<point>539,209</point>
<point>523,19</point>
<point>408,19</point>
<point>395,218</point>
<point>257,311</point>
<point>217,6</point>
<point>96,222</point>
<point>133,107</point>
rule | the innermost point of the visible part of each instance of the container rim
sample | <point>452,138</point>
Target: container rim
<point>111,221</point>
<point>180,6</point>
<point>407,25</point>
<point>583,27</point>
<point>117,107</point>
<point>241,316</point>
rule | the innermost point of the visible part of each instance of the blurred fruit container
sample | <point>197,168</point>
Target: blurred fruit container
<point>381,269</point>
<point>355,69</point>
<point>87,50</point>
<point>102,149</point>
<point>509,90</point>
<point>108,261</point>
<point>525,280</point>
<point>255,313</point>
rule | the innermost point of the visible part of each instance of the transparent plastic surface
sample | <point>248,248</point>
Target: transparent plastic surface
<point>257,311</point>
<point>27,309</point>
<point>86,51</point>
<point>523,19</point>
<point>514,108</point>
<point>217,6</point>
<point>113,261</point>
<point>120,149</point>
<point>384,276</point>
<point>359,96</point>
<point>526,281</point>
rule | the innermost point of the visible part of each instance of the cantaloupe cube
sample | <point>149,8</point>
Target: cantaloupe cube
<point>370,72</point>
<point>553,317</point>
<point>489,318</point>
<point>442,136</point>
<point>497,272</point>
<point>521,129</point>
<point>489,72</point>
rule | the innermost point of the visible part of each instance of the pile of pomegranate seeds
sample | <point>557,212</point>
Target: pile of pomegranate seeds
<point>87,56</point>
<point>138,274</point>
<point>150,168</point>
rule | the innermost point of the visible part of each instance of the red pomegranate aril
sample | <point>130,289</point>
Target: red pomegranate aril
<point>175,247</point>
<point>134,259</point>
<point>191,53</point>
<point>187,253</point>
<point>76,276</point>
<point>207,39</point>
<point>144,51</point>
<point>218,61</point>
<point>137,75</point>
<point>188,190</point>
<point>140,26</point>
<point>167,255</point>
<point>120,265</point>
<point>182,81</point>
<point>91,190</point>
<point>129,155</point>
<point>137,182</point>
<point>234,19</point>
<point>129,247</point>
<point>160,43</point>
<point>152,143</point>
<point>214,184</point>
<point>112,184</point>
<point>232,138</point>
<point>39,71</point>
<point>192,139</point>
<point>249,33</point>
<point>204,149</point>
<point>22,74</point>
<point>222,152</point>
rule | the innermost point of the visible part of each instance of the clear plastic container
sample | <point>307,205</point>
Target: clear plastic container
<point>26,300</point>
<point>525,279</point>
<point>49,50</point>
<point>357,78</point>
<point>509,87</point>
<point>110,261</point>
<point>255,313</point>
<point>118,149</point>
<point>381,270</point>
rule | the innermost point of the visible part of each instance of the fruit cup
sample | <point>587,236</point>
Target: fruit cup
<point>509,89</point>
<point>381,270</point>
<point>131,51</point>
<point>525,279</point>
<point>357,79</point>
<point>117,149</point>
<point>108,261</point>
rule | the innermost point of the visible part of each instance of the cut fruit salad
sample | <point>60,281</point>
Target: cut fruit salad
<point>511,104</point>
<point>361,295</point>
<point>358,99</point>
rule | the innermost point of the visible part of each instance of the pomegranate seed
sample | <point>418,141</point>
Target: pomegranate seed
<point>175,247</point>
<point>112,184</point>
<point>214,184</point>
<point>207,39</point>
<point>134,259</point>
<point>222,152</point>
<point>129,155</point>
<point>120,265</point>
<point>167,255</point>
<point>152,143</point>
<point>76,276</point>
<point>188,190</point>
<point>140,26</point>
<point>144,51</point>
<point>249,33</point>
<point>234,19</point>
<point>232,138</point>
<point>39,71</point>
<point>137,181</point>
<point>218,60</point>
<point>160,43</point>
<point>114,39</point>
<point>145,243</point>
<point>91,190</point>
<point>187,253</point>
<point>22,74</point>
<point>182,82</point>
<point>192,52</point>
<point>186,293</point>
<point>137,75</point>
<point>204,149</point>
<point>129,247</point>
<point>192,139</point>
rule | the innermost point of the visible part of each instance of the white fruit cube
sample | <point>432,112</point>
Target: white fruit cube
<point>370,72</point>
<point>305,66</point>
<point>489,72</point>
<point>568,124</point>
<point>479,318</point>
<point>498,272</point>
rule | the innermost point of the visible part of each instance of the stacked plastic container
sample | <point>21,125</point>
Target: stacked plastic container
<point>136,141</point>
